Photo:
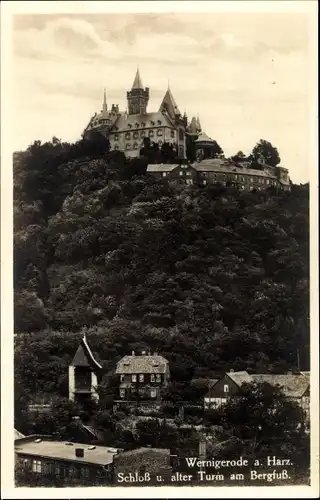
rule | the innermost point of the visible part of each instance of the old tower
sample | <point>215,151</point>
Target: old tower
<point>84,374</point>
<point>138,97</point>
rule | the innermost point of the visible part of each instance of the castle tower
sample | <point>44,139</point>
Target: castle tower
<point>104,105</point>
<point>138,97</point>
<point>169,105</point>
<point>84,374</point>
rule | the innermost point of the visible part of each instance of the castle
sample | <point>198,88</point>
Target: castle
<point>127,130</point>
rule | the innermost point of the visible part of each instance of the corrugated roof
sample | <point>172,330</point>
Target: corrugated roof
<point>84,356</point>
<point>100,455</point>
<point>142,364</point>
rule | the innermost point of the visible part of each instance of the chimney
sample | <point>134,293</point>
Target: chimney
<point>132,353</point>
<point>79,452</point>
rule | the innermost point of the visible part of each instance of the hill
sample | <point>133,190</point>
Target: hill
<point>211,277</point>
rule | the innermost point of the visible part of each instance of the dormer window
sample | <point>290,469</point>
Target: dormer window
<point>143,124</point>
<point>129,125</point>
<point>137,125</point>
<point>152,123</point>
<point>159,122</point>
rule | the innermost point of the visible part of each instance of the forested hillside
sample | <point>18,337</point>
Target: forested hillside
<point>211,277</point>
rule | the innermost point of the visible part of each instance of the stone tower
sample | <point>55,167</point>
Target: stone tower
<point>138,97</point>
<point>84,374</point>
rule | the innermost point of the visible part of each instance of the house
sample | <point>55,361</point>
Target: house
<point>141,377</point>
<point>223,171</point>
<point>296,387</point>
<point>84,374</point>
<point>61,459</point>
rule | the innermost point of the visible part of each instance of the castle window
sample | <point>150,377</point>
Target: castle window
<point>159,122</point>
<point>116,137</point>
<point>122,393</point>
<point>134,378</point>
<point>160,143</point>
<point>142,133</point>
<point>127,136</point>
<point>143,124</point>
<point>204,182</point>
<point>151,133</point>
<point>128,146</point>
<point>158,377</point>
<point>172,133</point>
<point>135,135</point>
<point>180,134</point>
<point>153,393</point>
<point>135,146</point>
<point>152,123</point>
<point>152,377</point>
<point>116,147</point>
<point>137,124</point>
<point>159,132</point>
<point>141,377</point>
<point>129,125</point>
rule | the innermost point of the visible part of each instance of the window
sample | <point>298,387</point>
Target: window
<point>152,377</point>
<point>121,378</point>
<point>137,125</point>
<point>141,377</point>
<point>158,377</point>
<point>116,137</point>
<point>142,133</point>
<point>180,134</point>
<point>189,181</point>
<point>159,133</point>
<point>122,393</point>
<point>135,146</point>
<point>127,136</point>
<point>159,122</point>
<point>128,146</point>
<point>143,124</point>
<point>226,388</point>
<point>268,181</point>
<point>134,378</point>
<point>129,126</point>
<point>57,470</point>
<point>36,466</point>
<point>84,472</point>
<point>135,135</point>
<point>172,133</point>
<point>164,174</point>
<point>160,143</point>
<point>153,393</point>
<point>189,173</point>
<point>152,123</point>
<point>151,133</point>
<point>204,182</point>
<point>180,173</point>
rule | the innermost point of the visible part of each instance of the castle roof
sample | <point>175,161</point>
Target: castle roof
<point>129,122</point>
<point>203,137</point>
<point>137,82</point>
<point>142,364</point>
<point>169,104</point>
<point>193,126</point>
<point>84,356</point>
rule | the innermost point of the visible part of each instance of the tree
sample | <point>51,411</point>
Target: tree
<point>264,150</point>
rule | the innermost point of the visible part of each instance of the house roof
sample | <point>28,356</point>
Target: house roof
<point>84,356</point>
<point>18,435</point>
<point>292,385</point>
<point>142,364</point>
<point>162,167</point>
<point>219,165</point>
<point>140,451</point>
<point>100,455</point>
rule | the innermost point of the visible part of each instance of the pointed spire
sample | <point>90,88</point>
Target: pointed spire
<point>104,105</point>
<point>137,83</point>
<point>198,123</point>
<point>169,104</point>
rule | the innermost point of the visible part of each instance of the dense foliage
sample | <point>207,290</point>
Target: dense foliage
<point>209,276</point>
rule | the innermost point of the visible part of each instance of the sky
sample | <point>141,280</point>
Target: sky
<point>245,74</point>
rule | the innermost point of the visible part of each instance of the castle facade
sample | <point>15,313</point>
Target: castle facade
<point>127,130</point>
